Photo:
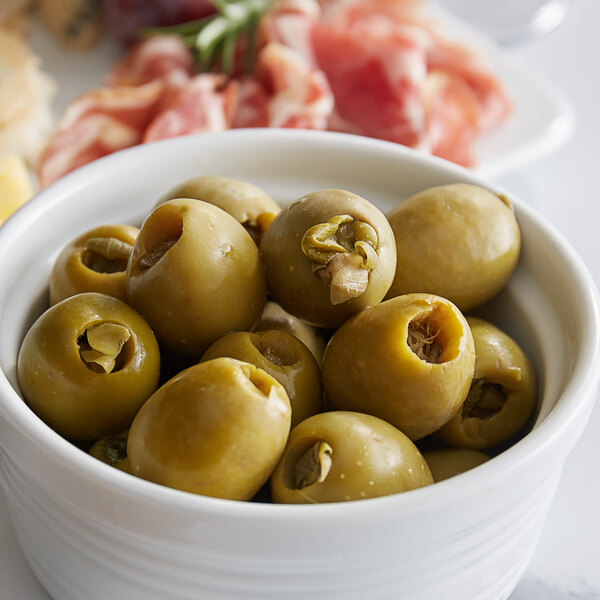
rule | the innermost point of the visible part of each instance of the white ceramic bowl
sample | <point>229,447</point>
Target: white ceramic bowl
<point>92,532</point>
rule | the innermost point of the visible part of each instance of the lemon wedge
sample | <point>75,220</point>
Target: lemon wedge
<point>15,186</point>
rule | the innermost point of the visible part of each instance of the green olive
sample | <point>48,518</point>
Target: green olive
<point>503,394</point>
<point>408,360</point>
<point>274,317</point>
<point>339,456</point>
<point>328,256</point>
<point>247,203</point>
<point>458,241</point>
<point>112,450</point>
<point>87,364</point>
<point>448,462</point>
<point>195,274</point>
<point>95,261</point>
<point>216,429</point>
<point>283,357</point>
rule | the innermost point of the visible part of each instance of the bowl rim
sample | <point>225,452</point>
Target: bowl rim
<point>572,406</point>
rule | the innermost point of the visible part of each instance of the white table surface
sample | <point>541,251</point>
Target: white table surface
<point>564,187</point>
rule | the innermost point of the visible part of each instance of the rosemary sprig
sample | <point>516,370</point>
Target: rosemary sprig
<point>214,39</point>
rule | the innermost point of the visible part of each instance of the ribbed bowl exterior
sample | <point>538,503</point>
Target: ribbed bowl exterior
<point>75,555</point>
<point>91,532</point>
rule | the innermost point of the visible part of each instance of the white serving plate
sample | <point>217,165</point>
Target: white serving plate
<point>542,119</point>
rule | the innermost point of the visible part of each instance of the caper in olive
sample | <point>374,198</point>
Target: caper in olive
<point>458,241</point>
<point>87,364</point>
<point>282,356</point>
<point>338,456</point>
<point>408,360</point>
<point>112,450</point>
<point>274,317</point>
<point>503,394</point>
<point>95,261</point>
<point>195,274</point>
<point>247,203</point>
<point>448,462</point>
<point>217,428</point>
<point>328,256</point>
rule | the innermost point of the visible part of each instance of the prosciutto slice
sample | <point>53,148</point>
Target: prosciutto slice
<point>205,103</point>
<point>380,68</point>
<point>160,57</point>
<point>252,104</point>
<point>147,80</point>
<point>96,124</point>
<point>393,74</point>
<point>298,95</point>
<point>465,65</point>
<point>290,23</point>
<point>376,72</point>
<point>451,117</point>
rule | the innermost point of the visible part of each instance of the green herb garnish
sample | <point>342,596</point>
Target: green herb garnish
<point>214,39</point>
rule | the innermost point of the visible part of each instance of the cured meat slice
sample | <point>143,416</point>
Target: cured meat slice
<point>252,104</point>
<point>465,64</point>
<point>373,63</point>
<point>290,23</point>
<point>376,72</point>
<point>380,68</point>
<point>451,117</point>
<point>395,76</point>
<point>96,124</point>
<point>159,57</point>
<point>205,103</point>
<point>299,96</point>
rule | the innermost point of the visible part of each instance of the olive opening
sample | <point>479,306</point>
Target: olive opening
<point>115,448</point>
<point>105,347</point>
<point>310,466</point>
<point>423,339</point>
<point>485,399</point>
<point>259,379</point>
<point>162,231</point>
<point>258,226</point>
<point>273,345</point>
<point>106,255</point>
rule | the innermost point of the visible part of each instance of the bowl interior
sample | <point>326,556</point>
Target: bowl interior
<point>549,306</point>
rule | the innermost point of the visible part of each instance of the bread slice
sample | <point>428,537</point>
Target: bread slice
<point>26,92</point>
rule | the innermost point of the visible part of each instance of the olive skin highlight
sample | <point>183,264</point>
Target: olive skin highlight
<point>328,256</point>
<point>60,366</point>
<point>458,241</point>
<point>339,456</point>
<point>408,360</point>
<point>217,429</point>
<point>195,274</point>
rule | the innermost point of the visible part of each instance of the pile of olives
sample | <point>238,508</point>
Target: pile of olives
<point>319,352</point>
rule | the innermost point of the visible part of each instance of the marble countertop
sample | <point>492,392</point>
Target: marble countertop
<point>563,187</point>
